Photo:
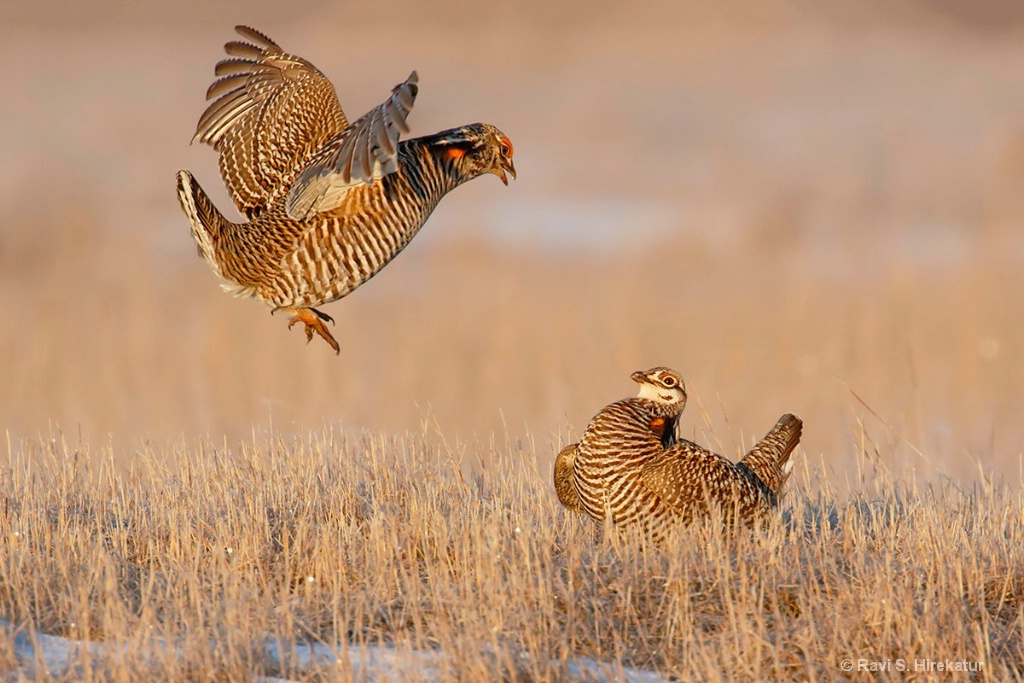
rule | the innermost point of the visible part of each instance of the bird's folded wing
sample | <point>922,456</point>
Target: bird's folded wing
<point>363,152</point>
<point>686,475</point>
<point>565,479</point>
<point>271,113</point>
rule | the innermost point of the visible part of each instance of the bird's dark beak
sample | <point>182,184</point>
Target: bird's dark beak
<point>503,166</point>
<point>639,377</point>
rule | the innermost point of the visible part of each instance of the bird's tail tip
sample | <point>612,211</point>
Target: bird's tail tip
<point>788,430</point>
<point>205,219</point>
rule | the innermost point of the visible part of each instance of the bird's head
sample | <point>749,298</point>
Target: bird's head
<point>477,149</point>
<point>661,385</point>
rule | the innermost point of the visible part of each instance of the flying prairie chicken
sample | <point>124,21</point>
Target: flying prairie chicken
<point>630,467</point>
<point>329,203</point>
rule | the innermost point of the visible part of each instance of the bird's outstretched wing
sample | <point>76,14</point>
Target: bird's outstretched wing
<point>363,152</point>
<point>271,113</point>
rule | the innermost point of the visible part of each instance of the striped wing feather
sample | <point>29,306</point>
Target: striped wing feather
<point>362,153</point>
<point>686,477</point>
<point>565,479</point>
<point>271,113</point>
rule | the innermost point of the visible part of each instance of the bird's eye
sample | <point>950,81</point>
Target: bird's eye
<point>506,147</point>
<point>669,381</point>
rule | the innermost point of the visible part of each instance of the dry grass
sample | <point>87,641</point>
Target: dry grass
<point>340,537</point>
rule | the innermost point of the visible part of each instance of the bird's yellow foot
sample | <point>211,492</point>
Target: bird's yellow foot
<point>314,322</point>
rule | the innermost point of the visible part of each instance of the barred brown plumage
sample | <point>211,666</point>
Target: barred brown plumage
<point>630,468</point>
<point>329,203</point>
<point>565,481</point>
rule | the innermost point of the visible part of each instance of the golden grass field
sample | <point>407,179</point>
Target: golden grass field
<point>802,209</point>
<point>339,538</point>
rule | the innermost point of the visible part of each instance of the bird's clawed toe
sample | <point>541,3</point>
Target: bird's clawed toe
<point>323,316</point>
<point>314,322</point>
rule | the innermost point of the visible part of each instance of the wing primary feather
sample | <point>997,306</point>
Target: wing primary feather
<point>237,67</point>
<point>221,108</point>
<point>408,94</point>
<point>384,143</point>
<point>224,85</point>
<point>237,48</point>
<point>256,36</point>
<point>396,116</point>
<point>346,159</point>
<point>361,158</point>
<point>211,131</point>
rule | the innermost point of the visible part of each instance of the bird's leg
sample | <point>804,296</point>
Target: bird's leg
<point>314,321</point>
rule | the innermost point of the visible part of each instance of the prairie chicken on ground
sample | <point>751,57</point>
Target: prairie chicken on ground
<point>629,464</point>
<point>328,203</point>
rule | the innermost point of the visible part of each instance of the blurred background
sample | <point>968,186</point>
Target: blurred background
<point>804,206</point>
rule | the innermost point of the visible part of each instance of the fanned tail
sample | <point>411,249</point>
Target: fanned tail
<point>769,459</point>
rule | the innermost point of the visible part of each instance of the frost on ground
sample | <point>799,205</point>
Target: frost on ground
<point>39,656</point>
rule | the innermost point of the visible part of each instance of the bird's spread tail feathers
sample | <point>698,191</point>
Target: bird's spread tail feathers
<point>207,222</point>
<point>769,459</point>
